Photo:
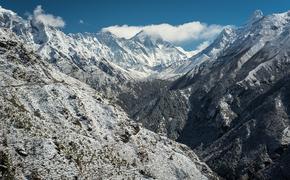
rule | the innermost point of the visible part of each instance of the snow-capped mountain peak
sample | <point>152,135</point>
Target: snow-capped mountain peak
<point>11,20</point>
<point>257,15</point>
<point>219,44</point>
<point>146,38</point>
<point>6,12</point>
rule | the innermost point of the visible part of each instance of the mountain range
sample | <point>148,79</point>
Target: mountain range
<point>94,105</point>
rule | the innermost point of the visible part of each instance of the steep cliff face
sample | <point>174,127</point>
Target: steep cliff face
<point>240,104</point>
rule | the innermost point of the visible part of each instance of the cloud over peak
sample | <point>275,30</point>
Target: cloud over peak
<point>176,34</point>
<point>47,19</point>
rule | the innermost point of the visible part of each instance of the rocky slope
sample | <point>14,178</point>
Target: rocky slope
<point>56,127</point>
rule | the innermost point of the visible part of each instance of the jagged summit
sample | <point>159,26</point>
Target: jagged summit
<point>257,15</point>
<point>10,19</point>
<point>222,41</point>
<point>7,12</point>
<point>147,38</point>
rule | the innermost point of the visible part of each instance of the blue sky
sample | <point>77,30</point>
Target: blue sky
<point>93,15</point>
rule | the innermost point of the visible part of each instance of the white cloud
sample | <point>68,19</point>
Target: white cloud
<point>124,31</point>
<point>81,21</point>
<point>188,32</point>
<point>201,47</point>
<point>47,19</point>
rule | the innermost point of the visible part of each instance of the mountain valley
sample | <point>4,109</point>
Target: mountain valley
<point>96,106</point>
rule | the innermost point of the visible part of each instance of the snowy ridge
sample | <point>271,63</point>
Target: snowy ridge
<point>209,54</point>
<point>138,57</point>
<point>248,40</point>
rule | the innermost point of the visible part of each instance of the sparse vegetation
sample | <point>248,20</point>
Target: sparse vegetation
<point>6,167</point>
